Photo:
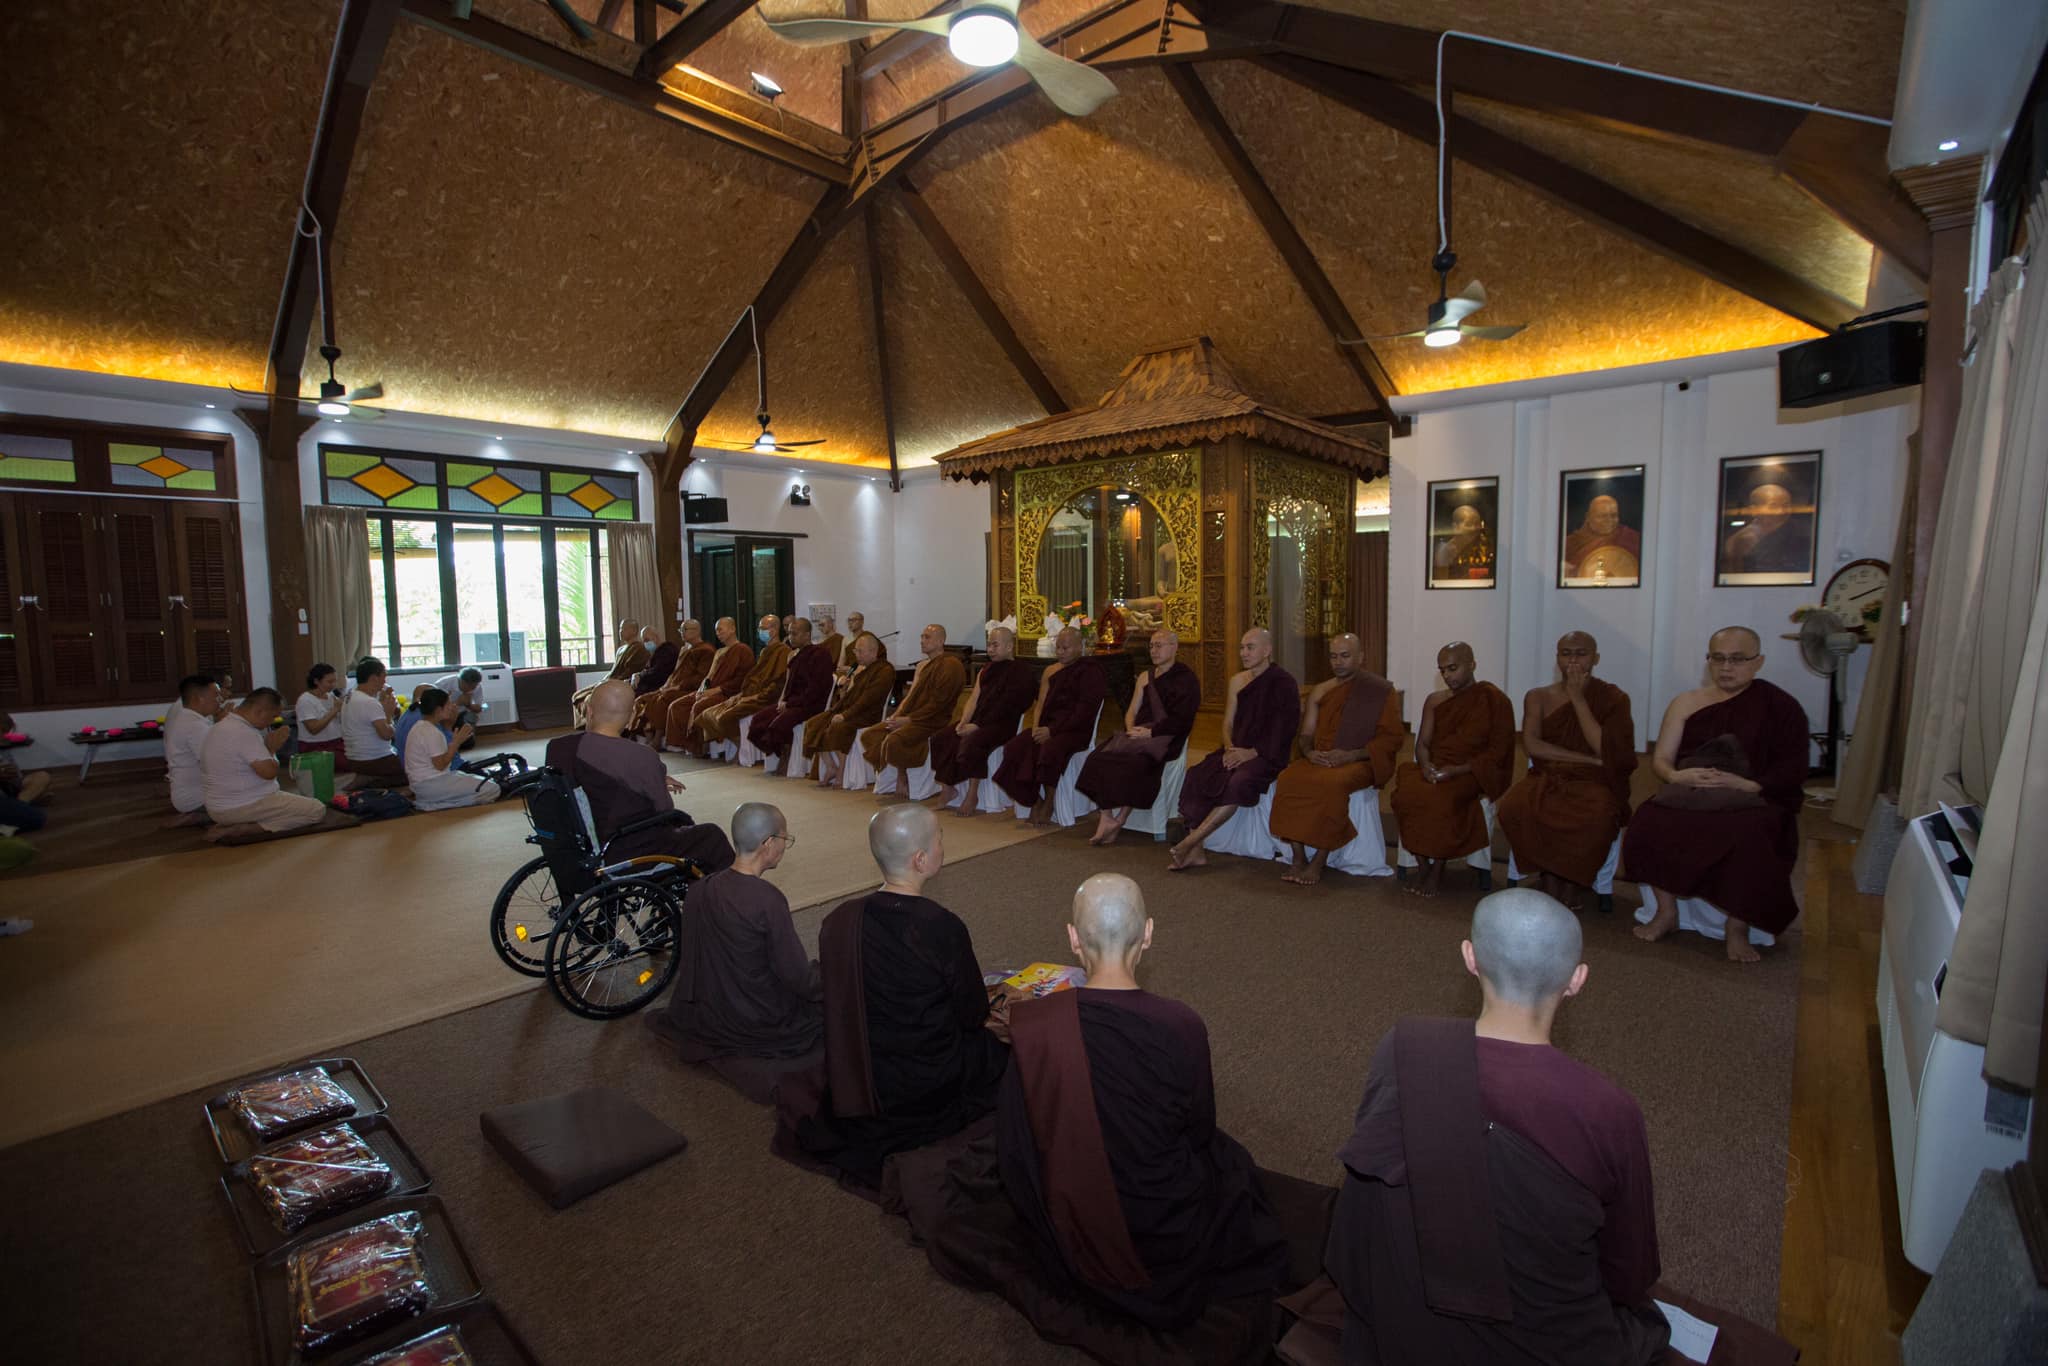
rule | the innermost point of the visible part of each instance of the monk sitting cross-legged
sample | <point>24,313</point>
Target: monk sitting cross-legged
<point>1261,707</point>
<point>1003,692</point>
<point>1350,735</point>
<point>1125,773</point>
<point>729,665</point>
<point>902,741</point>
<point>1580,737</point>
<point>805,688</point>
<point>1725,828</point>
<point>856,703</point>
<point>1069,698</point>
<point>1464,750</point>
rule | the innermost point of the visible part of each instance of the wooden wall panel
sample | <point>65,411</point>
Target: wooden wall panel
<point>809,75</point>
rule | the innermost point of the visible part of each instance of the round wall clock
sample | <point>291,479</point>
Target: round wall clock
<point>1856,592</point>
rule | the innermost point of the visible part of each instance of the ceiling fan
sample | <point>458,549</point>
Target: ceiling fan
<point>335,399</point>
<point>985,33</point>
<point>766,443</point>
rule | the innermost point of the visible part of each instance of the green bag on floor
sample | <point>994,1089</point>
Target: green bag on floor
<point>313,774</point>
<point>14,851</point>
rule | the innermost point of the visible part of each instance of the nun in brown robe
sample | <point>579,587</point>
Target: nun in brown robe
<point>927,706</point>
<point>1003,692</point>
<point>1311,801</point>
<point>1032,767</point>
<point>1562,818</point>
<point>1126,772</point>
<point>728,670</point>
<point>857,705</point>
<point>762,685</point>
<point>804,690</point>
<point>1473,727</point>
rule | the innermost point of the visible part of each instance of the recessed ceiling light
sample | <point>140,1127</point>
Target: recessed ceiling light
<point>1947,145</point>
<point>767,87</point>
<point>213,405</point>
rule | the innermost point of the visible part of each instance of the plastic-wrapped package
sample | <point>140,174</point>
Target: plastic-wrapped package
<point>350,1284</point>
<point>442,1347</point>
<point>308,1178</point>
<point>278,1105</point>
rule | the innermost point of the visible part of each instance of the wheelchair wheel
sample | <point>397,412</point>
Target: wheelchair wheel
<point>524,916</point>
<point>615,948</point>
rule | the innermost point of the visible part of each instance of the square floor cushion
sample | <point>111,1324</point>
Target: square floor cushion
<point>571,1145</point>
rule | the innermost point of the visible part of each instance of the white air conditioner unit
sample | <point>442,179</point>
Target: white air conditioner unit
<point>1948,1124</point>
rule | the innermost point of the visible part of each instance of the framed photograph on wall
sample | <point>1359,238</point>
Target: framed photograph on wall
<point>1462,544</point>
<point>1600,527</point>
<point>1768,523</point>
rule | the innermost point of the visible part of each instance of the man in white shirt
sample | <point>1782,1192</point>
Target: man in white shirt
<point>466,688</point>
<point>368,721</point>
<point>239,768</point>
<point>185,732</point>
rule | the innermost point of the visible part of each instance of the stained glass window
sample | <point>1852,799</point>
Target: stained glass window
<point>573,493</point>
<point>357,479</point>
<point>161,467</point>
<point>510,490</point>
<point>377,479</point>
<point>41,459</point>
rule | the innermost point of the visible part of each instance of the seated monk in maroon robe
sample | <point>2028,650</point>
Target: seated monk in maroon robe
<point>1351,733</point>
<point>1125,773</point>
<point>1726,828</point>
<point>693,661</point>
<point>903,740</point>
<point>1109,1208</point>
<point>1261,708</point>
<point>760,688</point>
<point>1069,705</point>
<point>1003,692</point>
<point>857,702</point>
<point>909,1057</point>
<point>747,997</point>
<point>1464,751</point>
<point>729,665</point>
<point>1497,1202</point>
<point>805,687</point>
<point>1580,736</point>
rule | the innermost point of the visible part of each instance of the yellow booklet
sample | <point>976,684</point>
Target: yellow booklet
<point>1043,979</point>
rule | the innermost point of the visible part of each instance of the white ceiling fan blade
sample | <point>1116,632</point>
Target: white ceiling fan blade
<point>822,31</point>
<point>364,394</point>
<point>1465,302</point>
<point>1492,333</point>
<point>1073,88</point>
<point>1384,336</point>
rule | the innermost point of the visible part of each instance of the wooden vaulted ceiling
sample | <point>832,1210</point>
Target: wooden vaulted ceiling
<point>518,241</point>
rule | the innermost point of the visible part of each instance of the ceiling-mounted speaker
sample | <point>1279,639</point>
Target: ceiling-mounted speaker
<point>701,508</point>
<point>1863,360</point>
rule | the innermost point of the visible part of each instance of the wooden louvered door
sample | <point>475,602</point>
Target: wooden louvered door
<point>206,568</point>
<point>140,629</point>
<point>64,572</point>
<point>17,676</point>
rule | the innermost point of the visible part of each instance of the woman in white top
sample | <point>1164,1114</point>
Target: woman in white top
<point>319,710</point>
<point>429,751</point>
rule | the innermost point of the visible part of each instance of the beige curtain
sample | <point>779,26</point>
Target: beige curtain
<point>635,583</point>
<point>338,589</point>
<point>1993,992</point>
<point>1875,732</point>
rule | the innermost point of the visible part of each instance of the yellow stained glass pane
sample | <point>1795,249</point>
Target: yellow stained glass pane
<point>383,481</point>
<point>593,496</point>
<point>163,467</point>
<point>496,490</point>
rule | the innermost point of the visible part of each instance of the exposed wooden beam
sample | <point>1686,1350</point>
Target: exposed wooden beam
<point>985,307</point>
<point>877,287</point>
<point>1584,194</point>
<point>666,466</point>
<point>900,44</point>
<point>643,22</point>
<point>609,15</point>
<point>689,33</point>
<point>1842,165</point>
<point>1286,239</point>
<point>645,96</point>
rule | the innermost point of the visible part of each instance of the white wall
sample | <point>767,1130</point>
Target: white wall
<point>1652,637</point>
<point>941,557</point>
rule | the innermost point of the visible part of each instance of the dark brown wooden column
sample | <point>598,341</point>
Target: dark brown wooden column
<point>667,466</point>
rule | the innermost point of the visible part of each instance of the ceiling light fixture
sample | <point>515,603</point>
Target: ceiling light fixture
<point>984,37</point>
<point>1947,145</point>
<point>766,86</point>
<point>331,407</point>
<point>764,444</point>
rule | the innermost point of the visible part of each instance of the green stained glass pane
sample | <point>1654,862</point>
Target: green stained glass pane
<point>121,453</point>
<point>192,479</point>
<point>462,476</point>
<point>42,471</point>
<point>419,496</point>
<point>341,464</point>
<point>561,481</point>
<point>525,505</point>
<point>615,512</point>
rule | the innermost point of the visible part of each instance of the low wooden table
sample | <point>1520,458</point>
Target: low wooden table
<point>120,735</point>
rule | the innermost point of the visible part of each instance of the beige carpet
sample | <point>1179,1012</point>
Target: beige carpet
<point>145,979</point>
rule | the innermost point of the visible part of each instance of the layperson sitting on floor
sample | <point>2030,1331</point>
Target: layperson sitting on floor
<point>626,782</point>
<point>1725,828</point>
<point>1580,736</point>
<point>19,793</point>
<point>756,690</point>
<point>903,740</point>
<point>693,661</point>
<point>464,687</point>
<point>1464,753</point>
<point>1070,697</point>
<point>805,688</point>
<point>745,987</point>
<point>857,703</point>
<point>238,769</point>
<point>1497,1202</point>
<point>185,732</point>
<point>369,725</point>
<point>1261,709</point>
<point>909,1056</point>
<point>432,770</point>
<point>729,666</point>
<point>1125,773</point>
<point>1003,692</point>
<point>318,711</point>
<point>630,659</point>
<point>1351,734</point>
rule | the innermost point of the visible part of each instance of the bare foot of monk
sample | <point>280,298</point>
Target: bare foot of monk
<point>1108,827</point>
<point>1041,814</point>
<point>1313,873</point>
<point>1740,950</point>
<point>1661,924</point>
<point>948,794</point>
<point>1432,881</point>
<point>1187,854</point>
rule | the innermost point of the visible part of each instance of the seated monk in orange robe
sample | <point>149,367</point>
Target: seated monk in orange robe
<point>693,661</point>
<point>1464,750</point>
<point>728,670</point>
<point>1580,736</point>
<point>631,659</point>
<point>1351,733</point>
<point>857,704</point>
<point>762,685</point>
<point>904,740</point>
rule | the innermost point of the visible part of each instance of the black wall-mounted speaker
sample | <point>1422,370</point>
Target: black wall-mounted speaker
<point>701,508</point>
<point>1863,360</point>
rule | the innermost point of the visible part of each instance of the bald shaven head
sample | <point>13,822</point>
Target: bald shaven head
<point>799,631</point>
<point>1456,665</point>
<point>693,632</point>
<point>610,707</point>
<point>1734,655</point>
<point>1163,647</point>
<point>905,842</point>
<point>1109,930</point>
<point>1347,652</point>
<point>1002,644</point>
<point>1525,949</point>
<point>1067,645</point>
<point>1255,648</point>
<point>725,628</point>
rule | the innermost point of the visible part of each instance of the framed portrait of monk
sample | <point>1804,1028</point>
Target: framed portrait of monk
<point>1462,542</point>
<point>1600,528</point>
<point>1768,524</point>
